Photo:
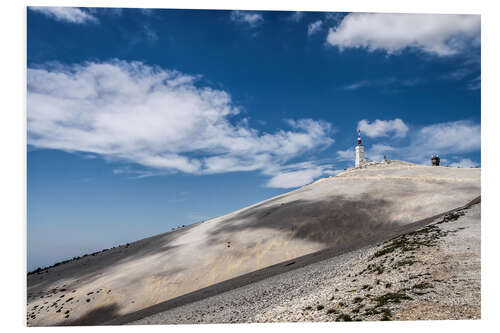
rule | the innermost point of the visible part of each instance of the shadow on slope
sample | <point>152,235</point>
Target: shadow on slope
<point>332,221</point>
<point>94,317</point>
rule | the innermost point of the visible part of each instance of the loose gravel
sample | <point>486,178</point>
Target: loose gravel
<point>432,273</point>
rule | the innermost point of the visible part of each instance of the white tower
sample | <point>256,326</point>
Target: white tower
<point>360,152</point>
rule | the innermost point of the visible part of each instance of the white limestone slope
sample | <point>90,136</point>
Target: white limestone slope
<point>340,211</point>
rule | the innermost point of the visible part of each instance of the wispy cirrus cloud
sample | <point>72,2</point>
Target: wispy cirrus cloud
<point>150,34</point>
<point>468,72</point>
<point>252,19</point>
<point>296,16</point>
<point>389,82</point>
<point>105,11</point>
<point>437,34</point>
<point>160,120</point>
<point>314,27</point>
<point>475,83</point>
<point>67,14</point>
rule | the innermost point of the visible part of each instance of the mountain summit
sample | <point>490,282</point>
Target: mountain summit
<point>356,208</point>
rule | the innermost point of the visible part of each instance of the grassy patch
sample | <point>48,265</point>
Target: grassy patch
<point>391,298</point>
<point>372,268</point>
<point>423,285</point>
<point>404,262</point>
<point>385,312</point>
<point>412,241</point>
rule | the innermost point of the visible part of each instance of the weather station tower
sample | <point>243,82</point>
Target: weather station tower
<point>360,152</point>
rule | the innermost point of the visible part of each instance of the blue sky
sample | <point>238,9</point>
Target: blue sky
<point>143,120</point>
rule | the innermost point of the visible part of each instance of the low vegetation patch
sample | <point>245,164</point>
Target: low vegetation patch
<point>372,268</point>
<point>423,285</point>
<point>391,298</point>
<point>412,241</point>
<point>404,262</point>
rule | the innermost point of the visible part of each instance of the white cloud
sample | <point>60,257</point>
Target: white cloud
<point>314,27</point>
<point>66,14</point>
<point>295,178</point>
<point>382,128</point>
<point>464,163</point>
<point>437,34</point>
<point>247,17</point>
<point>298,174</point>
<point>447,138</point>
<point>346,155</point>
<point>162,120</point>
<point>377,151</point>
<point>444,139</point>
